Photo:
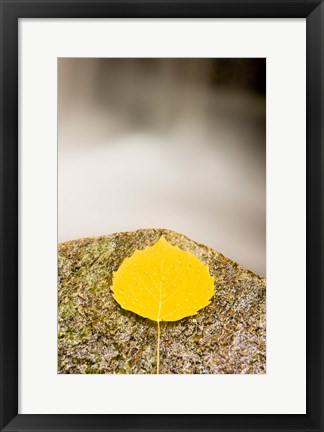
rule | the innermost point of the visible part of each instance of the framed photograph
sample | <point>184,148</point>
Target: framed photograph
<point>161,215</point>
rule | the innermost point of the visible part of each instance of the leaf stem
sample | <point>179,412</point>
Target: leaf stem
<point>158,348</point>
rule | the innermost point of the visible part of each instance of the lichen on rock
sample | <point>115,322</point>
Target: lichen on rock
<point>95,335</point>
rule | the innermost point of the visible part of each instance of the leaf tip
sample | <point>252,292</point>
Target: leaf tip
<point>162,240</point>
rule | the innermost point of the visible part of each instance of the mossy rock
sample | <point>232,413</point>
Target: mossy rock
<point>97,336</point>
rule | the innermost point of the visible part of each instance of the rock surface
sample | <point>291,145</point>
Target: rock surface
<point>97,336</point>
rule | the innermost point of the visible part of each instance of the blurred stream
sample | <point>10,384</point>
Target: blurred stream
<point>168,143</point>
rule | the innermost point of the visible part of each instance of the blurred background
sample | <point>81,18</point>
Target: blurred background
<point>165,143</point>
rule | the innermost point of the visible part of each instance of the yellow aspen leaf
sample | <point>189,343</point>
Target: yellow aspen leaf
<point>163,283</point>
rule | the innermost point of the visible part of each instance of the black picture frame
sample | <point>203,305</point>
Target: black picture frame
<point>11,12</point>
